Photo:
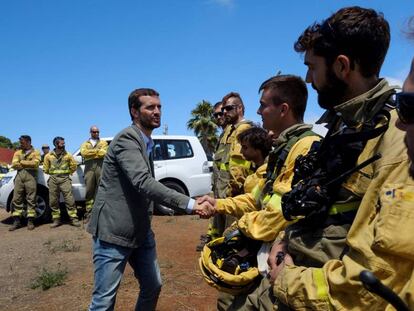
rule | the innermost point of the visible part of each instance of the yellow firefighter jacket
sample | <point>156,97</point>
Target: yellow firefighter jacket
<point>63,164</point>
<point>253,179</point>
<point>26,161</point>
<point>260,214</point>
<point>379,237</point>
<point>89,152</point>
<point>233,168</point>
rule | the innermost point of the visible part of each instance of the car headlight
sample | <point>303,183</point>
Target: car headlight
<point>5,180</point>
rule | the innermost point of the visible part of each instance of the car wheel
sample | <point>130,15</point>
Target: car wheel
<point>164,210</point>
<point>42,206</point>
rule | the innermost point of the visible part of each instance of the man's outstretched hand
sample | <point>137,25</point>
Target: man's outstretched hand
<point>205,207</point>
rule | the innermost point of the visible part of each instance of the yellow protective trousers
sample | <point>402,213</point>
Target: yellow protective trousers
<point>61,184</point>
<point>93,169</point>
<point>25,186</point>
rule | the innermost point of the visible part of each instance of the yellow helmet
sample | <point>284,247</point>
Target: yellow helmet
<point>230,265</point>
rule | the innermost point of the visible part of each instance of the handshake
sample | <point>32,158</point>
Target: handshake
<point>205,207</point>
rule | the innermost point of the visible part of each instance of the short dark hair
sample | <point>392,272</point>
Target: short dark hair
<point>217,104</point>
<point>290,89</point>
<point>230,95</point>
<point>133,99</point>
<point>26,138</point>
<point>258,138</point>
<point>56,139</point>
<point>359,33</point>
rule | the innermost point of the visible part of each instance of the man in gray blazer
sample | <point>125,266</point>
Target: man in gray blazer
<point>121,216</point>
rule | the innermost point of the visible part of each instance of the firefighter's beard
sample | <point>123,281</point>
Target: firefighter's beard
<point>332,93</point>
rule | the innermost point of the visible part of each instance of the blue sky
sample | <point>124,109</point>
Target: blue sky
<point>65,65</point>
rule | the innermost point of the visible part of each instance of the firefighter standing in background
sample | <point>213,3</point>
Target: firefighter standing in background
<point>25,161</point>
<point>255,147</point>
<point>219,120</point>
<point>60,164</point>
<point>93,151</point>
<point>45,150</point>
<point>233,168</point>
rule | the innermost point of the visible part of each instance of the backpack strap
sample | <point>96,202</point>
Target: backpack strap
<point>278,157</point>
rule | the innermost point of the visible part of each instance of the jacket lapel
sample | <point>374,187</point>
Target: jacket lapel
<point>148,160</point>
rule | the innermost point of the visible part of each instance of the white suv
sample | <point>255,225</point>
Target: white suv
<point>180,163</point>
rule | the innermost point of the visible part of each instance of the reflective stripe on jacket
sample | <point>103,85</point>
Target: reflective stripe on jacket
<point>63,164</point>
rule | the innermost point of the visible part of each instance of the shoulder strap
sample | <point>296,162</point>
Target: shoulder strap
<point>292,141</point>
<point>278,157</point>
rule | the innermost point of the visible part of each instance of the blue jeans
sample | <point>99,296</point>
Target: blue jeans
<point>110,261</point>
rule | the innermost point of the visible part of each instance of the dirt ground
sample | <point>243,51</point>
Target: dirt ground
<point>24,254</point>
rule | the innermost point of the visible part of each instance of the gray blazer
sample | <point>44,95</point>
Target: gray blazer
<point>127,192</point>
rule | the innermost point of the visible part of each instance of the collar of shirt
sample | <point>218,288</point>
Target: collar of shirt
<point>148,142</point>
<point>93,141</point>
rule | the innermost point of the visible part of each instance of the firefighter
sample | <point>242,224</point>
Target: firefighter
<point>344,61</point>
<point>282,107</point>
<point>45,151</point>
<point>233,168</point>
<point>93,151</point>
<point>60,164</point>
<point>26,161</point>
<point>255,147</point>
<point>219,120</point>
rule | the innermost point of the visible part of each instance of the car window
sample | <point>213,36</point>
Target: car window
<point>157,151</point>
<point>169,149</point>
<point>177,149</point>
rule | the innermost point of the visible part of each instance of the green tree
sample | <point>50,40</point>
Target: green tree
<point>5,142</point>
<point>16,145</point>
<point>204,127</point>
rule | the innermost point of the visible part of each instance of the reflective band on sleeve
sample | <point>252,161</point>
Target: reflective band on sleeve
<point>239,162</point>
<point>343,207</point>
<point>321,286</point>
<point>256,193</point>
<point>224,166</point>
<point>266,199</point>
<point>275,202</point>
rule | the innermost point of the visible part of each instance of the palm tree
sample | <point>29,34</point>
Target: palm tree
<point>202,124</point>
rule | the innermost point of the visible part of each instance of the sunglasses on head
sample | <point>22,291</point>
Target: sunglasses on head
<point>217,114</point>
<point>228,108</point>
<point>405,107</point>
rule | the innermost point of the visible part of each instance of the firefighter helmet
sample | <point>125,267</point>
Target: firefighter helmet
<point>229,264</point>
